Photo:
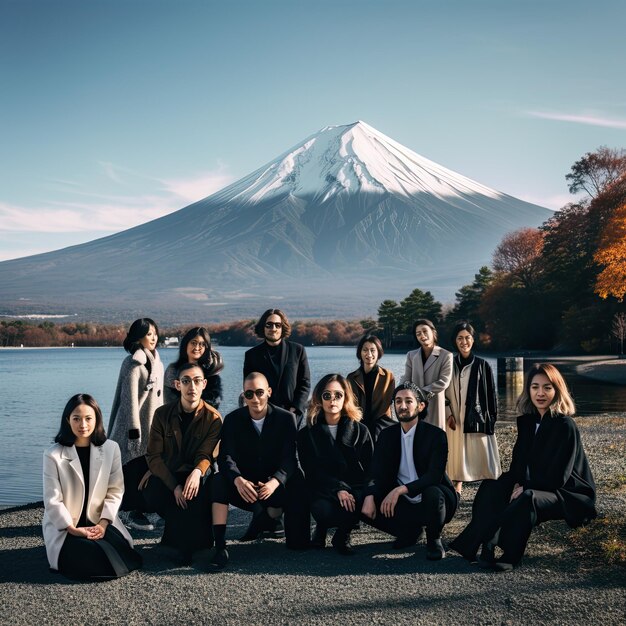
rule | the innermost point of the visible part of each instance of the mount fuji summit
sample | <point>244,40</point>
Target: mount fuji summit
<point>330,228</point>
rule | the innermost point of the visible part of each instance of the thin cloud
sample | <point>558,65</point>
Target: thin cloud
<point>109,213</point>
<point>199,187</point>
<point>589,120</point>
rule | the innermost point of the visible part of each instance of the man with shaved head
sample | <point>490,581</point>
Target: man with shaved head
<point>257,461</point>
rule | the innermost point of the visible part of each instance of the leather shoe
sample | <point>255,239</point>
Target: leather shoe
<point>434,550</point>
<point>218,559</point>
<point>319,537</point>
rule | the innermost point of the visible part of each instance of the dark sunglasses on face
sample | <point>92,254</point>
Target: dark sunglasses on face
<point>248,394</point>
<point>332,395</point>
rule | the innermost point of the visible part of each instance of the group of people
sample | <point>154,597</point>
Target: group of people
<point>361,449</point>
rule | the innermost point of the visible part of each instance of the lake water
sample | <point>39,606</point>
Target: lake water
<point>36,384</point>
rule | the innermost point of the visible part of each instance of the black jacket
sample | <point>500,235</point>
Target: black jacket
<point>334,465</point>
<point>430,455</point>
<point>272,454</point>
<point>481,403</point>
<point>291,387</point>
<point>553,459</point>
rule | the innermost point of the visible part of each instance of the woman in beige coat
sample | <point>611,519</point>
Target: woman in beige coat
<point>83,486</point>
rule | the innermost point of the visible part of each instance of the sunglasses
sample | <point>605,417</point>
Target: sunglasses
<point>273,324</point>
<point>248,394</point>
<point>332,395</point>
<point>197,344</point>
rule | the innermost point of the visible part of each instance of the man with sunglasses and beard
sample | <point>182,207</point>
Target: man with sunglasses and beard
<point>284,363</point>
<point>258,471</point>
<point>408,487</point>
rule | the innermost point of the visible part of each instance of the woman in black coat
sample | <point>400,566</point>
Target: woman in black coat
<point>549,477</point>
<point>335,450</point>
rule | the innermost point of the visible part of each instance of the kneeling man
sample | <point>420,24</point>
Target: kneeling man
<point>257,460</point>
<point>408,486</point>
<point>181,447</point>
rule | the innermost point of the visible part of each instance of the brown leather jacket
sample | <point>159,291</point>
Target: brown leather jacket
<point>169,452</point>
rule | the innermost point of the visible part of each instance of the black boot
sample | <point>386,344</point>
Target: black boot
<point>341,542</point>
<point>434,549</point>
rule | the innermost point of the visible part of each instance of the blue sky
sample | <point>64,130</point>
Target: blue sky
<point>113,113</point>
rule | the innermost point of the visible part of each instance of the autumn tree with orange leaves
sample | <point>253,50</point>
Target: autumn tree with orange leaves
<point>611,254</point>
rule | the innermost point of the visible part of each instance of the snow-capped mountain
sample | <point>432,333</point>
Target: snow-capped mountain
<point>344,219</point>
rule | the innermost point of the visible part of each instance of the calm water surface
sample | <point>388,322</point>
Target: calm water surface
<point>37,383</point>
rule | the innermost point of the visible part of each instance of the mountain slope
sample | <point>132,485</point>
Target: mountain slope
<point>342,220</point>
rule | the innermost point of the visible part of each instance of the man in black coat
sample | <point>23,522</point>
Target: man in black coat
<point>408,486</point>
<point>259,470</point>
<point>284,363</point>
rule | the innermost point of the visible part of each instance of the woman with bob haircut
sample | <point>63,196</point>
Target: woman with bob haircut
<point>138,394</point>
<point>471,413</point>
<point>83,486</point>
<point>372,385</point>
<point>335,450</point>
<point>430,368</point>
<point>195,347</point>
<point>549,477</point>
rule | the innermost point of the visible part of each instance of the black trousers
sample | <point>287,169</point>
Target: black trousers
<point>496,521</point>
<point>133,499</point>
<point>292,498</point>
<point>436,509</point>
<point>187,529</point>
<point>329,513</point>
<point>106,558</point>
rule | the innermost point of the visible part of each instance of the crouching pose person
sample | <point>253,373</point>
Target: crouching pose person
<point>258,471</point>
<point>183,440</point>
<point>549,477</point>
<point>83,486</point>
<point>408,487</point>
<point>335,449</point>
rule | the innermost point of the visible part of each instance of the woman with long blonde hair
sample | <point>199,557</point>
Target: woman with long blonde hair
<point>335,451</point>
<point>549,477</point>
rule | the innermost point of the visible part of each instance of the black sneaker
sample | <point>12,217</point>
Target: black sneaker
<point>275,529</point>
<point>137,520</point>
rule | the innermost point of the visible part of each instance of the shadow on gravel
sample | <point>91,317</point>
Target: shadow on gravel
<point>11,532</point>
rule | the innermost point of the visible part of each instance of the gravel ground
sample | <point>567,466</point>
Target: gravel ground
<point>267,584</point>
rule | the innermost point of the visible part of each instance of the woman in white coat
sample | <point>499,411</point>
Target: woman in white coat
<point>138,394</point>
<point>83,486</point>
<point>430,368</point>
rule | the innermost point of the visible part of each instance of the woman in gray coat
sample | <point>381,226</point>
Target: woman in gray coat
<point>138,394</point>
<point>430,368</point>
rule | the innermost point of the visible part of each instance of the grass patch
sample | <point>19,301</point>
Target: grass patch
<point>603,540</point>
